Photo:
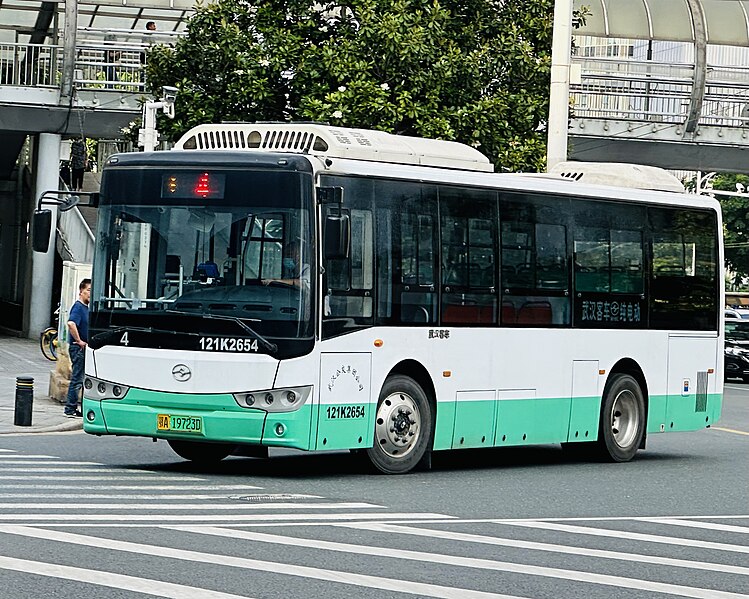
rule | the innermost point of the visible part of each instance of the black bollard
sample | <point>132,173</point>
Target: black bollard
<point>24,400</point>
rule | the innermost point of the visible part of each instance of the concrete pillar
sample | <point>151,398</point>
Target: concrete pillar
<point>47,177</point>
<point>559,94</point>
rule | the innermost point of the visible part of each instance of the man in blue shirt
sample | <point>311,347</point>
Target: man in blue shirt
<point>78,329</point>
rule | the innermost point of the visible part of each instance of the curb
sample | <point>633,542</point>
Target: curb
<point>75,425</point>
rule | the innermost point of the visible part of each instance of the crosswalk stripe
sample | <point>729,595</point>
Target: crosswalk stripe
<point>157,518</point>
<point>703,525</point>
<point>147,586</point>
<point>93,478</point>
<point>93,468</point>
<point>623,534</point>
<point>4,458</point>
<point>548,547</point>
<point>32,466</point>
<point>7,451</point>
<point>192,506</point>
<point>360,580</point>
<point>141,497</point>
<point>479,563</point>
<point>140,487</point>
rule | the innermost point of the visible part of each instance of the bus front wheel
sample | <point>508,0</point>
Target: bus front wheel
<point>622,422</point>
<point>403,426</point>
<point>200,453</point>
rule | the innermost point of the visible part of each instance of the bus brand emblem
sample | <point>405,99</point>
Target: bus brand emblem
<point>181,373</point>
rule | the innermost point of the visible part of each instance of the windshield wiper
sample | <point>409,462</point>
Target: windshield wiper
<point>111,332</point>
<point>269,345</point>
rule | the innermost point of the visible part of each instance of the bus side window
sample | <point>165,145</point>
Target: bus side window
<point>534,272</point>
<point>348,293</point>
<point>683,287</point>
<point>469,264</point>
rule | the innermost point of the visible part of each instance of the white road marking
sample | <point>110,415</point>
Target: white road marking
<point>635,536</point>
<point>704,525</point>
<point>338,576</point>
<point>157,518</point>
<point>93,478</point>
<point>141,497</point>
<point>192,506</point>
<point>141,487</point>
<point>3,458</point>
<point>7,451</point>
<point>549,547</point>
<point>468,562</point>
<point>147,586</point>
<point>16,460</point>
<point>93,468</point>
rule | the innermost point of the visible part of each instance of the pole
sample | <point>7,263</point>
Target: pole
<point>47,176</point>
<point>68,49</point>
<point>24,400</point>
<point>559,95</point>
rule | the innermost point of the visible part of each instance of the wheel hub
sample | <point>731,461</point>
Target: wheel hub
<point>398,425</point>
<point>624,419</point>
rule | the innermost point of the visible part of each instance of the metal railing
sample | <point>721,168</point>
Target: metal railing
<point>657,92</point>
<point>29,65</point>
<point>98,65</point>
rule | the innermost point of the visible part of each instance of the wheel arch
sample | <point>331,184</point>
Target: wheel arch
<point>632,368</point>
<point>420,374</point>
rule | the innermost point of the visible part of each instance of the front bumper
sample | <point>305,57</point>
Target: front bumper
<point>223,420</point>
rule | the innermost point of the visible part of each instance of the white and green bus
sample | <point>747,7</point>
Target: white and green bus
<point>318,288</point>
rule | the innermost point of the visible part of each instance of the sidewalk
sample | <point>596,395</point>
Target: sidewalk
<point>22,357</point>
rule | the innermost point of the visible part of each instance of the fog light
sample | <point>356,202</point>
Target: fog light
<point>280,429</point>
<point>102,388</point>
<point>291,397</point>
<point>250,399</point>
<point>88,383</point>
<point>117,390</point>
<point>90,416</point>
<point>269,398</point>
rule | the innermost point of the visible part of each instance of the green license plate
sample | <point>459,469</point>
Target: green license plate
<point>179,424</point>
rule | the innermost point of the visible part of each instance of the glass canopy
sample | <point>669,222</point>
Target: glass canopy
<point>26,21</point>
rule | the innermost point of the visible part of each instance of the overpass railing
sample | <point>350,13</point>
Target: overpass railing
<point>648,91</point>
<point>99,64</point>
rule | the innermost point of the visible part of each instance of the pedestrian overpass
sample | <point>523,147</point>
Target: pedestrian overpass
<point>688,112</point>
<point>72,68</point>
<point>67,68</point>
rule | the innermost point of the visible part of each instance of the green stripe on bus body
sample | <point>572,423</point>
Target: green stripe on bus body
<point>556,420</point>
<point>345,426</point>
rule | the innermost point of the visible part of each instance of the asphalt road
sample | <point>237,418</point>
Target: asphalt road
<point>122,517</point>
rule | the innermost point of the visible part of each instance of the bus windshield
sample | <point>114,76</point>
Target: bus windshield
<point>209,270</point>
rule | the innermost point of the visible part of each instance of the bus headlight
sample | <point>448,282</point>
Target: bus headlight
<point>97,389</point>
<point>274,400</point>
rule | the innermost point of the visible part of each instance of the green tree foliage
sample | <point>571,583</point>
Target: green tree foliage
<point>735,222</point>
<point>474,71</point>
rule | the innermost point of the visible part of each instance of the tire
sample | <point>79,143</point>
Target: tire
<point>403,426</point>
<point>622,423</point>
<point>201,453</point>
<point>48,344</point>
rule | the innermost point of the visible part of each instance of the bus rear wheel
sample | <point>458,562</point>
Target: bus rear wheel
<point>622,422</point>
<point>200,453</point>
<point>403,426</point>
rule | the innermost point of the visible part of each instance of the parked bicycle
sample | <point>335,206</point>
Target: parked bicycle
<point>48,339</point>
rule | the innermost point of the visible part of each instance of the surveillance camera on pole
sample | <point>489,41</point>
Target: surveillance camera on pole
<point>148,135</point>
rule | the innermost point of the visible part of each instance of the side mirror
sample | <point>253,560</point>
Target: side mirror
<point>337,236</point>
<point>42,227</point>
